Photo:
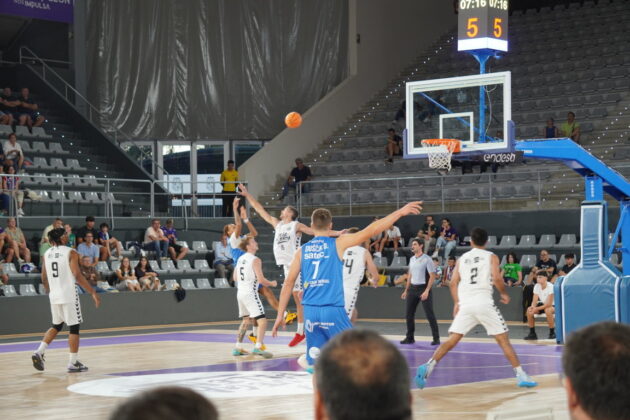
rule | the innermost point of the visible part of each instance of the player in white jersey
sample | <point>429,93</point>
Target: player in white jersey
<point>287,239</point>
<point>355,260</point>
<point>471,287</point>
<point>247,276</point>
<point>60,273</point>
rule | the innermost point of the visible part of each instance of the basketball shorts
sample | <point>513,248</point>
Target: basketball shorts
<point>321,323</point>
<point>70,313</point>
<point>249,304</point>
<point>350,295</point>
<point>297,286</point>
<point>487,315</point>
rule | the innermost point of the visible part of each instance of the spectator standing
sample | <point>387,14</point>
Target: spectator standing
<point>88,248</point>
<point>571,128</point>
<point>28,111</point>
<point>446,240</point>
<point>223,261</point>
<point>551,131</point>
<point>361,375</point>
<point>428,233</point>
<point>13,154</point>
<point>89,227</point>
<point>229,181</point>
<point>18,241</point>
<point>177,251</point>
<point>569,264</point>
<point>298,175</point>
<point>147,277</point>
<point>542,302</point>
<point>126,277</point>
<point>512,271</point>
<point>11,186</point>
<point>91,275</point>
<point>598,354</point>
<point>390,237</point>
<point>155,240</point>
<point>418,289</point>
<point>72,238</point>
<point>108,242</point>
<point>393,145</point>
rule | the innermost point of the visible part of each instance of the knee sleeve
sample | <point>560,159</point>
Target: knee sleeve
<point>58,327</point>
<point>74,329</point>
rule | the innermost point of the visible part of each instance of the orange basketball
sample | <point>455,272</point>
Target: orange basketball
<point>293,120</point>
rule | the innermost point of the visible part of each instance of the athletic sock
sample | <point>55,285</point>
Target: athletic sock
<point>42,348</point>
<point>519,371</point>
<point>300,329</point>
<point>258,345</point>
<point>73,358</point>
<point>254,331</point>
<point>238,344</point>
<point>431,365</point>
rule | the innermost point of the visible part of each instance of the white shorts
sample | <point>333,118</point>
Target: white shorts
<point>70,313</point>
<point>350,296</point>
<point>487,315</point>
<point>297,286</point>
<point>249,304</point>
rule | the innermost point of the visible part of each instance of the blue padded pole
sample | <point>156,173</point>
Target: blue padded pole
<point>625,236</point>
<point>482,57</point>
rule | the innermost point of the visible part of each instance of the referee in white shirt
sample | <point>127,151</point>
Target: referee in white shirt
<point>418,289</point>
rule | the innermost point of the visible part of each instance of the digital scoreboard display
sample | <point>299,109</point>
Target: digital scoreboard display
<point>482,24</point>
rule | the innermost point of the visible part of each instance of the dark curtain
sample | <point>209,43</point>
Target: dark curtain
<point>199,69</point>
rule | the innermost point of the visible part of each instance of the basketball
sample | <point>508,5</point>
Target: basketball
<point>293,120</point>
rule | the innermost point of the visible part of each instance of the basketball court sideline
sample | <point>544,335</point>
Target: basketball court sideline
<point>472,381</point>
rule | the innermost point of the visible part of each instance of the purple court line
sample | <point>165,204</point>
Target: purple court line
<point>143,338</point>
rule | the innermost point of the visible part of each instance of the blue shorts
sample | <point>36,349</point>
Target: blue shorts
<point>321,323</point>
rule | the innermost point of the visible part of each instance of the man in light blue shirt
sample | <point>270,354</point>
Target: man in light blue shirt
<point>87,248</point>
<point>223,261</point>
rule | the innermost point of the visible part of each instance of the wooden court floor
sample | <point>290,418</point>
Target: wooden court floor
<point>469,383</point>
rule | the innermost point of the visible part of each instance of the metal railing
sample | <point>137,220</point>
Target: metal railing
<point>89,111</point>
<point>486,188</point>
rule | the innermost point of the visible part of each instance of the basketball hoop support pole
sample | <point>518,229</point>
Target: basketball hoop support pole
<point>482,57</point>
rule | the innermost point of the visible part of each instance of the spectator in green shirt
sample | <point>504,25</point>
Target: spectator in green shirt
<point>72,238</point>
<point>571,128</point>
<point>512,271</point>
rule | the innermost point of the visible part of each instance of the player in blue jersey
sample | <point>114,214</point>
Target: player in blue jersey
<point>319,262</point>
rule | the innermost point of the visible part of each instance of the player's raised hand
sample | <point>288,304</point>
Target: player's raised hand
<point>97,300</point>
<point>243,190</point>
<point>414,207</point>
<point>505,298</point>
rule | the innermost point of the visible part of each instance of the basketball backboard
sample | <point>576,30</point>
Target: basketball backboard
<point>474,109</point>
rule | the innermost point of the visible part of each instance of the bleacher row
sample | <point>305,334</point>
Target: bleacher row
<point>557,65</point>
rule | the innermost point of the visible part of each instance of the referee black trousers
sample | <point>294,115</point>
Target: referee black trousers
<point>413,297</point>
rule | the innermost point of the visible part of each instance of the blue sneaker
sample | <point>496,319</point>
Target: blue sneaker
<point>239,352</point>
<point>263,353</point>
<point>525,381</point>
<point>310,370</point>
<point>421,375</point>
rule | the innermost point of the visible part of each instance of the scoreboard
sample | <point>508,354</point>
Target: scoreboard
<point>482,24</point>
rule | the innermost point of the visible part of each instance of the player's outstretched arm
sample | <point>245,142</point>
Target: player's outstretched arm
<point>260,276</point>
<point>371,268</point>
<point>301,227</point>
<point>237,218</point>
<point>497,280</point>
<point>252,230</point>
<point>44,276</point>
<point>346,241</point>
<point>257,206</point>
<point>74,267</point>
<point>287,290</point>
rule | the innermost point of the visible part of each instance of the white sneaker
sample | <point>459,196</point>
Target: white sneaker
<point>20,212</point>
<point>20,261</point>
<point>395,253</point>
<point>377,254</point>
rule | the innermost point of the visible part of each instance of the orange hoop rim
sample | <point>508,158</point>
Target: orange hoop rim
<point>453,145</point>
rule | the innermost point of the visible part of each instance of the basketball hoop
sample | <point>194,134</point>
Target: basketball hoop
<point>440,152</point>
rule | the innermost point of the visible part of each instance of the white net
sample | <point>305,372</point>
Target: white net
<point>439,154</point>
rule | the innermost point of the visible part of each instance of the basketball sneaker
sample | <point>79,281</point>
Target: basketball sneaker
<point>252,338</point>
<point>531,336</point>
<point>77,367</point>
<point>297,339</point>
<point>525,381</point>
<point>239,352</point>
<point>263,353</point>
<point>38,361</point>
<point>421,375</point>
<point>291,316</point>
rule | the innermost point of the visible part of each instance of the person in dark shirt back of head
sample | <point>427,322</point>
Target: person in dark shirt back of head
<point>166,403</point>
<point>360,375</point>
<point>596,364</point>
